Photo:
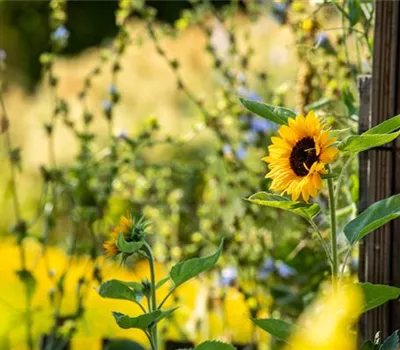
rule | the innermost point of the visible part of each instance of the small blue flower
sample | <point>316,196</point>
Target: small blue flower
<point>251,136</point>
<point>228,276</point>
<point>122,134</point>
<point>61,35</point>
<point>244,118</point>
<point>284,270</point>
<point>240,152</point>
<point>279,12</point>
<point>261,125</point>
<point>321,39</point>
<point>241,77</point>
<point>107,105</point>
<point>3,55</point>
<point>242,91</point>
<point>227,150</point>
<point>112,89</point>
<point>265,270</point>
<point>280,6</point>
<point>253,96</point>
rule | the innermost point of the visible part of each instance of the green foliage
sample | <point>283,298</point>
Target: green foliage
<point>128,247</point>
<point>385,127</point>
<point>392,342</point>
<point>185,270</point>
<point>374,137</point>
<point>372,218</point>
<point>279,115</point>
<point>360,143</point>
<point>143,322</point>
<point>306,210</point>
<point>115,289</point>
<point>377,294</point>
<point>277,328</point>
<point>354,11</point>
<point>28,279</point>
<point>214,345</point>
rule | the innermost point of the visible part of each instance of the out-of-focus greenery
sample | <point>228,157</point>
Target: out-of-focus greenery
<point>151,123</point>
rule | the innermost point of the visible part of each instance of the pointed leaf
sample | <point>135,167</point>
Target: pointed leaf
<point>160,283</point>
<point>115,289</point>
<point>391,343</point>
<point>128,247</point>
<point>142,322</point>
<point>354,11</point>
<point>28,279</point>
<point>166,313</point>
<point>185,270</point>
<point>306,210</point>
<point>214,345</point>
<point>276,114</point>
<point>359,143</point>
<point>319,104</point>
<point>339,132</point>
<point>377,294</point>
<point>277,328</point>
<point>369,345</point>
<point>385,127</point>
<point>373,217</point>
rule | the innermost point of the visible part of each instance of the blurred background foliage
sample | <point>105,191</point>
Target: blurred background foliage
<point>114,107</point>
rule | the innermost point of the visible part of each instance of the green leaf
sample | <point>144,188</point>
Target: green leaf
<point>354,11</point>
<point>385,127</point>
<point>391,343</point>
<point>27,278</point>
<point>369,345</point>
<point>279,115</point>
<point>128,247</point>
<point>359,143</point>
<point>329,176</point>
<point>160,283</point>
<point>338,132</point>
<point>166,314</point>
<point>277,328</point>
<point>214,345</point>
<point>142,322</point>
<point>373,217</point>
<point>185,270</point>
<point>306,210</point>
<point>115,289</point>
<point>377,294</point>
<point>319,104</point>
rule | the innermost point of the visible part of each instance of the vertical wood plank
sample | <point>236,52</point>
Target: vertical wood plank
<point>380,253</point>
<point>364,123</point>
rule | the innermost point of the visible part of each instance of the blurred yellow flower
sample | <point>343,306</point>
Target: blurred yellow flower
<point>308,25</point>
<point>328,323</point>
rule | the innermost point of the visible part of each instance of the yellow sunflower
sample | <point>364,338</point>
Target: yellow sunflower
<point>298,157</point>
<point>124,226</point>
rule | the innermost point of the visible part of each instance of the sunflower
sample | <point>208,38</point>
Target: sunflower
<point>124,226</point>
<point>298,157</point>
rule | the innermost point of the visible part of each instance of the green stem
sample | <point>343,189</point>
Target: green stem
<point>153,304</point>
<point>165,298</point>
<point>339,181</point>
<point>324,245</point>
<point>332,208</point>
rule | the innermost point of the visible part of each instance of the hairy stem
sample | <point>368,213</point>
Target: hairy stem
<point>332,208</point>
<point>153,303</point>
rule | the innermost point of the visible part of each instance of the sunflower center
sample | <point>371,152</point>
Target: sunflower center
<point>303,156</point>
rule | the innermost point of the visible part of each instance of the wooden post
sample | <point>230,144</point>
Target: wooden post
<point>381,249</point>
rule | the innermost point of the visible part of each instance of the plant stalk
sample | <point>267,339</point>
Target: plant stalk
<point>153,303</point>
<point>332,208</point>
